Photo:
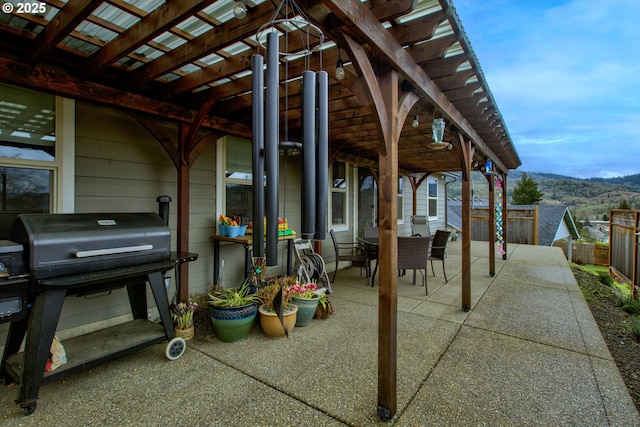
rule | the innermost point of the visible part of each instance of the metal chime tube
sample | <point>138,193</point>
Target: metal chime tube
<point>322,154</point>
<point>271,148</point>
<point>257,172</point>
<point>308,154</point>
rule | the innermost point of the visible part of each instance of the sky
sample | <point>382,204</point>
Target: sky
<point>566,78</point>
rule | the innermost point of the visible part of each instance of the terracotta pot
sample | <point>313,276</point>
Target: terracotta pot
<point>271,325</point>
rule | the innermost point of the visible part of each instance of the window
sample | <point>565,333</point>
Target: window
<point>37,154</point>
<point>432,198</point>
<point>339,193</point>
<point>238,184</point>
<point>27,124</point>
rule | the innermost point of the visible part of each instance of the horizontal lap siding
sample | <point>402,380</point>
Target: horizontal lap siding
<point>120,167</point>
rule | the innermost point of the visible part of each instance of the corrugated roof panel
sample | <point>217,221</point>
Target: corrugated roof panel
<point>80,45</point>
<point>455,49</point>
<point>169,77</point>
<point>423,8</point>
<point>148,52</point>
<point>116,16</point>
<point>194,26</point>
<point>130,63</point>
<point>146,5</point>
<point>96,31</point>
<point>236,48</point>
<point>189,68</point>
<point>169,40</point>
<point>221,10</point>
<point>211,59</point>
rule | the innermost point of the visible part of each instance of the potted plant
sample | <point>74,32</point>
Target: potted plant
<point>275,300</point>
<point>233,312</point>
<point>306,298</point>
<point>182,315</point>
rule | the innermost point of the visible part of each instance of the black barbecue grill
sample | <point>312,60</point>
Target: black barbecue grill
<point>80,254</point>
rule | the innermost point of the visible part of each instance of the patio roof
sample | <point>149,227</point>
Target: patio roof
<point>175,59</point>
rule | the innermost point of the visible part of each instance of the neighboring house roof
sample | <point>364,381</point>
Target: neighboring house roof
<point>554,221</point>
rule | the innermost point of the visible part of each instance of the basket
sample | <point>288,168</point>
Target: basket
<point>185,334</point>
<point>233,230</point>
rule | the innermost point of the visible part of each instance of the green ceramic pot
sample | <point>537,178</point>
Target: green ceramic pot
<point>306,309</point>
<point>233,324</point>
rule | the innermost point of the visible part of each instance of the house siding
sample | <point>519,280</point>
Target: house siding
<point>120,167</point>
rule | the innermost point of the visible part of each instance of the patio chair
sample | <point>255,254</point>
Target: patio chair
<point>420,225</point>
<point>413,254</point>
<point>311,264</point>
<point>370,232</point>
<point>349,251</point>
<point>439,250</point>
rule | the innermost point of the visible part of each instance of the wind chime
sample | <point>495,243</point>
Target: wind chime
<point>500,214</point>
<point>288,19</point>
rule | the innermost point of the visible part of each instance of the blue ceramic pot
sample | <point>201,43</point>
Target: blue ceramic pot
<point>233,324</point>
<point>306,309</point>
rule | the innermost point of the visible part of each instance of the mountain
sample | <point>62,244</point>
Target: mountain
<point>590,198</point>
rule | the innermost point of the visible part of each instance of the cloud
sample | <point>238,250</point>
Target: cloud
<point>564,75</point>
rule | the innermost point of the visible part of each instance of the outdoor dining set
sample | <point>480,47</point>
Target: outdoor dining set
<point>414,252</point>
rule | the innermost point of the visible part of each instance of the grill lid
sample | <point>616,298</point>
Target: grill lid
<point>66,244</point>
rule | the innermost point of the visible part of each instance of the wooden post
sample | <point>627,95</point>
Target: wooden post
<point>183,212</point>
<point>466,158</point>
<point>536,217</point>
<point>388,239</point>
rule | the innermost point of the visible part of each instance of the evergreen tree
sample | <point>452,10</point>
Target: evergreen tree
<point>526,191</point>
<point>624,205</point>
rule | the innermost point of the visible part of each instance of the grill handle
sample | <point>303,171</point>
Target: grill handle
<point>112,251</point>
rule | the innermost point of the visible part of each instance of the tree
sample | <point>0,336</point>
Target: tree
<point>526,191</point>
<point>624,205</point>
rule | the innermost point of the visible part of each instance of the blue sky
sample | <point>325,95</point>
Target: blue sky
<point>566,78</point>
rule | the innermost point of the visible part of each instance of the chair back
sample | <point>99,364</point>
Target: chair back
<point>420,225</point>
<point>334,239</point>
<point>370,232</point>
<point>439,244</point>
<point>413,252</point>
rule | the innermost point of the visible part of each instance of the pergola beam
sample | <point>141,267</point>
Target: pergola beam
<point>360,22</point>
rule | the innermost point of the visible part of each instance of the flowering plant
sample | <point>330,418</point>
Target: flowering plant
<point>303,291</point>
<point>182,314</point>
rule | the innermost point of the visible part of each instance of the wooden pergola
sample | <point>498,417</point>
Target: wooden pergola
<point>187,61</point>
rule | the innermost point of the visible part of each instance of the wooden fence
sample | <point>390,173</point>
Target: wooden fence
<point>585,253</point>
<point>624,231</point>
<point>521,226</point>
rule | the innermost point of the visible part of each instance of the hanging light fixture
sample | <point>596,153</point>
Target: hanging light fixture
<point>437,127</point>
<point>415,123</point>
<point>240,9</point>
<point>339,67</point>
<point>488,168</point>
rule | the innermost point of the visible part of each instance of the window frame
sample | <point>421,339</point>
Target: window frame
<point>346,191</point>
<point>430,197</point>
<point>63,167</point>
<point>221,178</point>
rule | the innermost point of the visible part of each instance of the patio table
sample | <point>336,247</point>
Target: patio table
<point>247,241</point>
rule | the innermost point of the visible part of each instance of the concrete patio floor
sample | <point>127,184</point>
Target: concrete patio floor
<point>528,353</point>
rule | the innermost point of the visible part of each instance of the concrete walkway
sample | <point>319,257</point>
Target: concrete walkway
<point>528,353</point>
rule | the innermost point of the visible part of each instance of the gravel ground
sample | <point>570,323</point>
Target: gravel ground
<point>615,328</point>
